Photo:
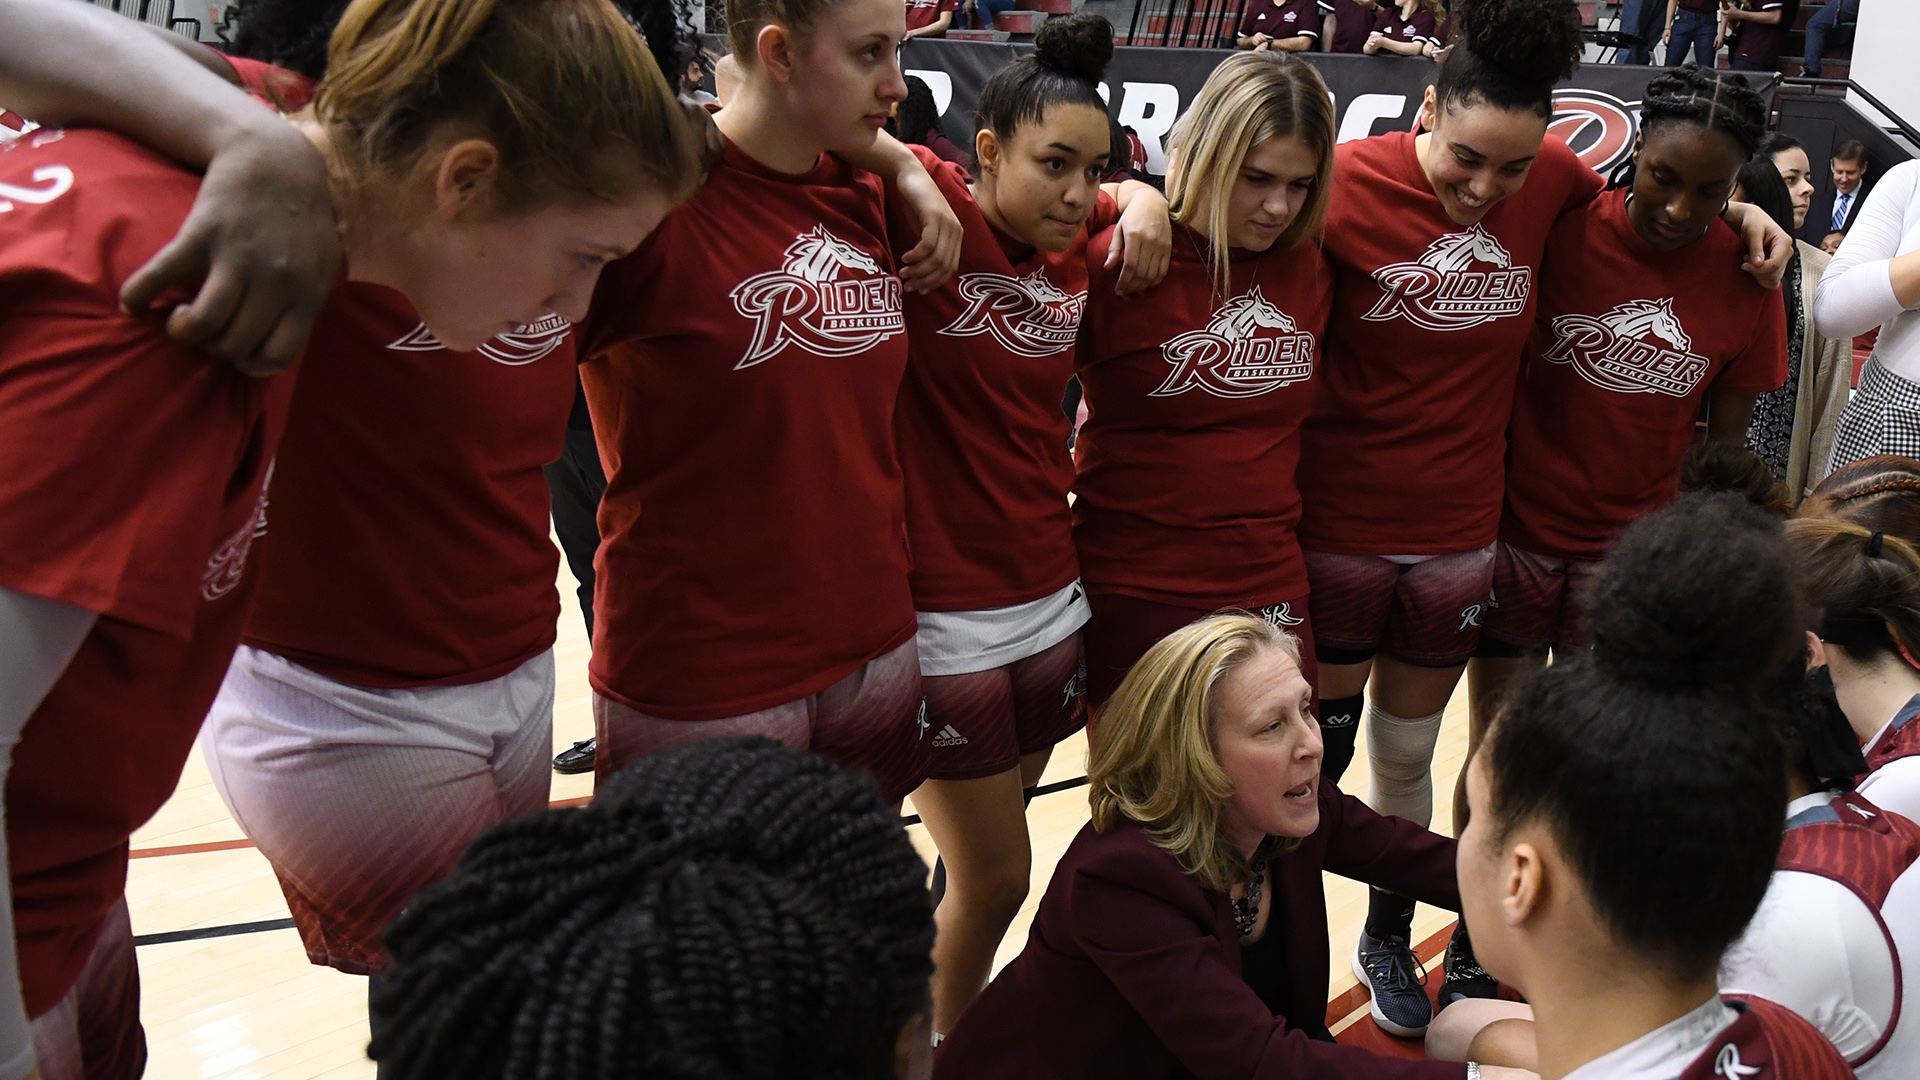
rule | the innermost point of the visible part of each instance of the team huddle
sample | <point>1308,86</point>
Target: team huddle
<point>1396,401</point>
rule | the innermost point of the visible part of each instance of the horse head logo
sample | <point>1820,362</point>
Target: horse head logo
<point>1460,250</point>
<point>1038,287</point>
<point>1244,316</point>
<point>1639,319</point>
<point>818,255</point>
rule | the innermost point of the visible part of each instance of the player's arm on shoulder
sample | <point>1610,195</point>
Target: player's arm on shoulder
<point>1142,241</point>
<point>1769,247</point>
<point>931,262</point>
<point>262,232</point>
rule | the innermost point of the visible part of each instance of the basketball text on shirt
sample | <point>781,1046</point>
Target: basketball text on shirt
<point>828,297</point>
<point>1028,315</point>
<point>1637,348</point>
<point>1249,348</point>
<point>1463,279</point>
<point>521,345</point>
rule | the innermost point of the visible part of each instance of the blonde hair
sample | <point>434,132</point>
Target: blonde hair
<point>566,90</point>
<point>1250,98</point>
<point>1151,758</point>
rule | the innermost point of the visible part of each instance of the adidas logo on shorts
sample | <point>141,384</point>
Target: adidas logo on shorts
<point>949,737</point>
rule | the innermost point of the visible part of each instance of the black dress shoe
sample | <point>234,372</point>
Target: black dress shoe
<point>578,759</point>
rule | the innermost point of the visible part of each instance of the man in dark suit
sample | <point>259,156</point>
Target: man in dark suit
<point>1834,209</point>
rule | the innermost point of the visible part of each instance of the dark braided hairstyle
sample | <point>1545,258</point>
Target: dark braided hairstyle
<point>1878,492</point>
<point>1708,99</point>
<point>293,34</point>
<point>731,909</point>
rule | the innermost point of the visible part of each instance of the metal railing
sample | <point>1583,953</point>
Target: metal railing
<point>1898,122</point>
<point>1189,24</point>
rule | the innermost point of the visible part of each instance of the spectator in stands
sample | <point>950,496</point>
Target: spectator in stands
<point>930,18</point>
<point>1874,280</point>
<point>693,80</point>
<point>979,14</point>
<point>1346,24</point>
<point>1404,28</point>
<point>1792,427</point>
<point>1692,25</point>
<point>1286,25</point>
<point>1759,29</point>
<point>1834,212</point>
<point>1638,19</point>
<point>918,121</point>
<point>1833,15</point>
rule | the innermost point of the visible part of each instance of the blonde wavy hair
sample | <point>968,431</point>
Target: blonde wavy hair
<point>1250,98</point>
<point>1152,757</point>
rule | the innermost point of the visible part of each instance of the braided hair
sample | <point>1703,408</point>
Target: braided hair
<point>1708,99</point>
<point>1880,493</point>
<point>731,909</point>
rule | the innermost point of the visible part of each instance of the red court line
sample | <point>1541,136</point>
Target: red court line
<point>236,845</point>
<point>1357,997</point>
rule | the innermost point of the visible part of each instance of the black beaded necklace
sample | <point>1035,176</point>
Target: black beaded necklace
<point>1246,910</point>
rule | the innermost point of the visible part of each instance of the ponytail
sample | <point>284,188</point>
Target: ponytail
<point>566,90</point>
<point>1865,588</point>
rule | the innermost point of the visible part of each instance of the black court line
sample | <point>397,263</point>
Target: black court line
<point>236,929</point>
<point>229,930</point>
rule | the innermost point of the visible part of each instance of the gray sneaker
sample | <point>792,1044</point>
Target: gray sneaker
<point>1398,983</point>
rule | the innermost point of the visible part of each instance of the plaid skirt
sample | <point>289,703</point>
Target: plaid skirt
<point>1882,417</point>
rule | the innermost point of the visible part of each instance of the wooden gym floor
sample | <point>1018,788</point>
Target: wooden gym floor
<point>248,1006</point>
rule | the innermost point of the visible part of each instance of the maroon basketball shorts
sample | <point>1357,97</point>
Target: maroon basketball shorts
<point>94,1032</point>
<point>872,721</point>
<point>1424,610</point>
<point>1123,628</point>
<point>1537,599</point>
<point>981,723</point>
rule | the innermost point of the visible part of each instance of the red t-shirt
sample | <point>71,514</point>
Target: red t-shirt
<point>287,91</point>
<point>1627,342</point>
<point>1768,1042</point>
<point>982,440</point>
<point>411,542</point>
<point>1186,490</point>
<point>927,12</point>
<point>1419,26</point>
<point>743,368</point>
<point>1402,454</point>
<point>135,487</point>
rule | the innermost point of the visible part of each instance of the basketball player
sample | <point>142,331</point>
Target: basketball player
<point>983,449</point>
<point>742,372</point>
<point>1185,498</point>
<point>159,574</point>
<point>1642,313</point>
<point>1603,871</point>
<point>1435,240</point>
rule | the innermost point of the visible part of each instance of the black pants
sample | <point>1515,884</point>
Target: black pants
<point>577,482</point>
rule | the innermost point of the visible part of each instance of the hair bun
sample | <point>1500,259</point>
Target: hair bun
<point>1536,42</point>
<point>1078,46</point>
<point>1701,595</point>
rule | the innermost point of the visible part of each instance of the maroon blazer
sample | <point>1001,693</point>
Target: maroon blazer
<point>1132,969</point>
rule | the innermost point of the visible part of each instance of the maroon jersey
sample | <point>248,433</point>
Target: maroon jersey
<point>135,486</point>
<point>1186,492</point>
<point>982,440</point>
<point>742,371</point>
<point>1900,740</point>
<point>1404,451</point>
<point>1419,26</point>
<point>1855,843</point>
<point>1768,1042</point>
<point>411,542</point>
<point>1627,342</point>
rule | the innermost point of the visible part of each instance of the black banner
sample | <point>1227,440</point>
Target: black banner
<point>1596,112</point>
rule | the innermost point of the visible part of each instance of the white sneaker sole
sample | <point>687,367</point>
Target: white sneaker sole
<point>1379,1017</point>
